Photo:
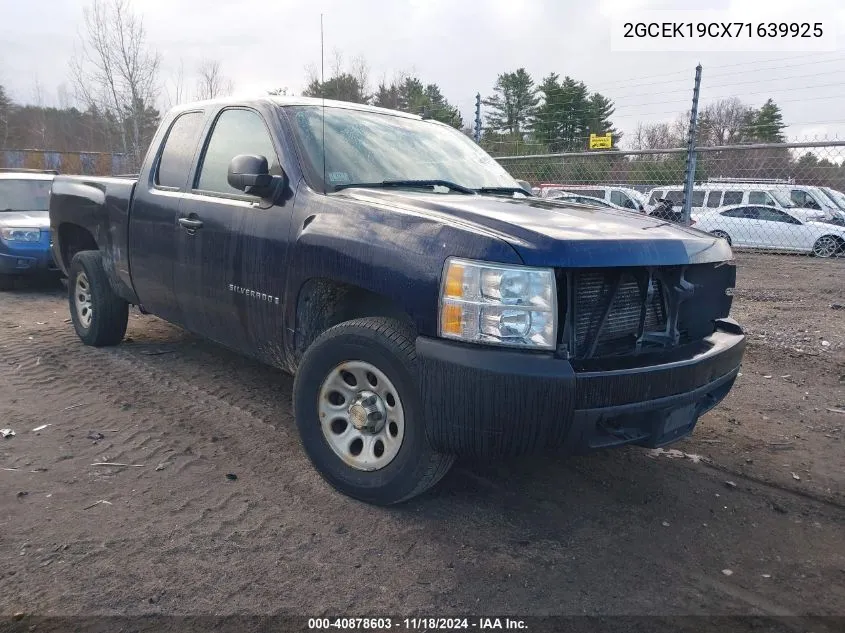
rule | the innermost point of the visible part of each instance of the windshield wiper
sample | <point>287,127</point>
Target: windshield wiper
<point>510,190</point>
<point>384,184</point>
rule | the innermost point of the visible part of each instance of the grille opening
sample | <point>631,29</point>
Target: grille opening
<point>628,311</point>
<point>599,335</point>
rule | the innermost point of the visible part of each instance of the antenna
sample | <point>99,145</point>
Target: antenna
<point>323,95</point>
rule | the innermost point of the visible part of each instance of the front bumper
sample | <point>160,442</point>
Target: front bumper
<point>21,258</point>
<point>490,402</point>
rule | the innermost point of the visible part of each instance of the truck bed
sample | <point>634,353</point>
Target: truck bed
<point>93,212</point>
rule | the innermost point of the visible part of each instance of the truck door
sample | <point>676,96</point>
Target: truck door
<point>232,247</point>
<point>153,230</point>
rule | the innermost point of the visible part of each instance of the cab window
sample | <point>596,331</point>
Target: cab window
<point>236,131</point>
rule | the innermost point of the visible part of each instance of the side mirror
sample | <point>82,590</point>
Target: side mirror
<point>525,185</point>
<point>250,173</point>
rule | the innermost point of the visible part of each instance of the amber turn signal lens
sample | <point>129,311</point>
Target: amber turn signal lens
<point>455,281</point>
<point>451,319</point>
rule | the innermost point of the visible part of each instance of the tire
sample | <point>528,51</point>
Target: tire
<point>99,316</point>
<point>385,346</point>
<point>7,282</point>
<point>722,235</point>
<point>828,246</point>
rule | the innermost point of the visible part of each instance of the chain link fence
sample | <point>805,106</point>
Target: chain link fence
<point>85,163</point>
<point>779,198</point>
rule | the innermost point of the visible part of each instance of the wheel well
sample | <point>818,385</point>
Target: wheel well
<point>74,239</point>
<point>324,303</point>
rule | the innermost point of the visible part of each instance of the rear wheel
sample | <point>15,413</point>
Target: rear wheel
<point>828,246</point>
<point>99,316</point>
<point>357,407</point>
<point>722,235</point>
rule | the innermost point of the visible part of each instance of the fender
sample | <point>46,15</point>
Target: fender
<point>390,252</point>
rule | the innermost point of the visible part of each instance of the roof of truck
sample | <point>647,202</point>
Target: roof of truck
<point>293,101</point>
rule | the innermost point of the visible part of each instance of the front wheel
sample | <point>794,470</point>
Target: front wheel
<point>357,408</point>
<point>828,246</point>
<point>99,316</point>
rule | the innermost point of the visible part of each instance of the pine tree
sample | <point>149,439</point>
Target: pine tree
<point>599,111</point>
<point>767,124</point>
<point>411,95</point>
<point>513,103</point>
<point>343,87</point>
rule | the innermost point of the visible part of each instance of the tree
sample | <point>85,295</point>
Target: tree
<point>438,108</point>
<point>408,94</point>
<point>767,124</point>
<point>278,92</point>
<point>175,97</point>
<point>655,136</point>
<point>513,103</point>
<point>599,111</point>
<point>343,85</point>
<point>211,83</point>
<point>725,122</point>
<point>116,72</point>
<point>569,114</point>
<point>6,106</point>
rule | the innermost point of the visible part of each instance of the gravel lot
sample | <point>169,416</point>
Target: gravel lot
<point>758,491</point>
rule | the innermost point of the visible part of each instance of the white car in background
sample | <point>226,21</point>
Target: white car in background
<point>579,199</point>
<point>765,227</point>
<point>624,197</point>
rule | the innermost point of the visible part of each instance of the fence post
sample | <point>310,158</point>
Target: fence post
<point>691,152</point>
<point>478,118</point>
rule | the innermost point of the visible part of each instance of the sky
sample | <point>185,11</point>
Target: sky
<point>462,45</point>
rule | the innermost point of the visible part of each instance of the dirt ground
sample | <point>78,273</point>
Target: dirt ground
<point>745,517</point>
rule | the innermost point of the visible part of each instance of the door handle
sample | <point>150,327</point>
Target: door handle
<point>190,224</point>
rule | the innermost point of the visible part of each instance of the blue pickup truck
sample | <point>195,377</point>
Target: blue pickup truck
<point>24,226</point>
<point>427,304</point>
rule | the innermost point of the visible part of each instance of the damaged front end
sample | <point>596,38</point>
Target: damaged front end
<point>637,311</point>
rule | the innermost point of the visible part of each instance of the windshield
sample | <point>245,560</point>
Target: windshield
<point>825,198</point>
<point>371,147</point>
<point>782,198</point>
<point>24,194</point>
<point>837,196</point>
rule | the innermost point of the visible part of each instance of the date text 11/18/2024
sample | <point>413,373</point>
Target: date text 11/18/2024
<point>417,624</point>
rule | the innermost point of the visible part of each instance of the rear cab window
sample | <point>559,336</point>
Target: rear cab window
<point>177,156</point>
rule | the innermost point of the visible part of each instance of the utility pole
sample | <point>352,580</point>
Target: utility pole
<point>478,118</point>
<point>691,153</point>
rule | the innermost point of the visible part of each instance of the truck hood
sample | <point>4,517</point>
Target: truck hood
<point>25,219</point>
<point>557,233</point>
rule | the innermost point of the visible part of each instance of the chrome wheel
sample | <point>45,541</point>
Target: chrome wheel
<point>826,246</point>
<point>82,300</point>
<point>361,415</point>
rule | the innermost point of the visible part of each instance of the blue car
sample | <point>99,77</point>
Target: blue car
<point>25,226</point>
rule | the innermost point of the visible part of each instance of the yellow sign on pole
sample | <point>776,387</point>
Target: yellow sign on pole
<point>601,142</point>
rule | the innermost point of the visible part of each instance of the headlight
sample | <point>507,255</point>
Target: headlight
<point>498,304</point>
<point>21,235</point>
